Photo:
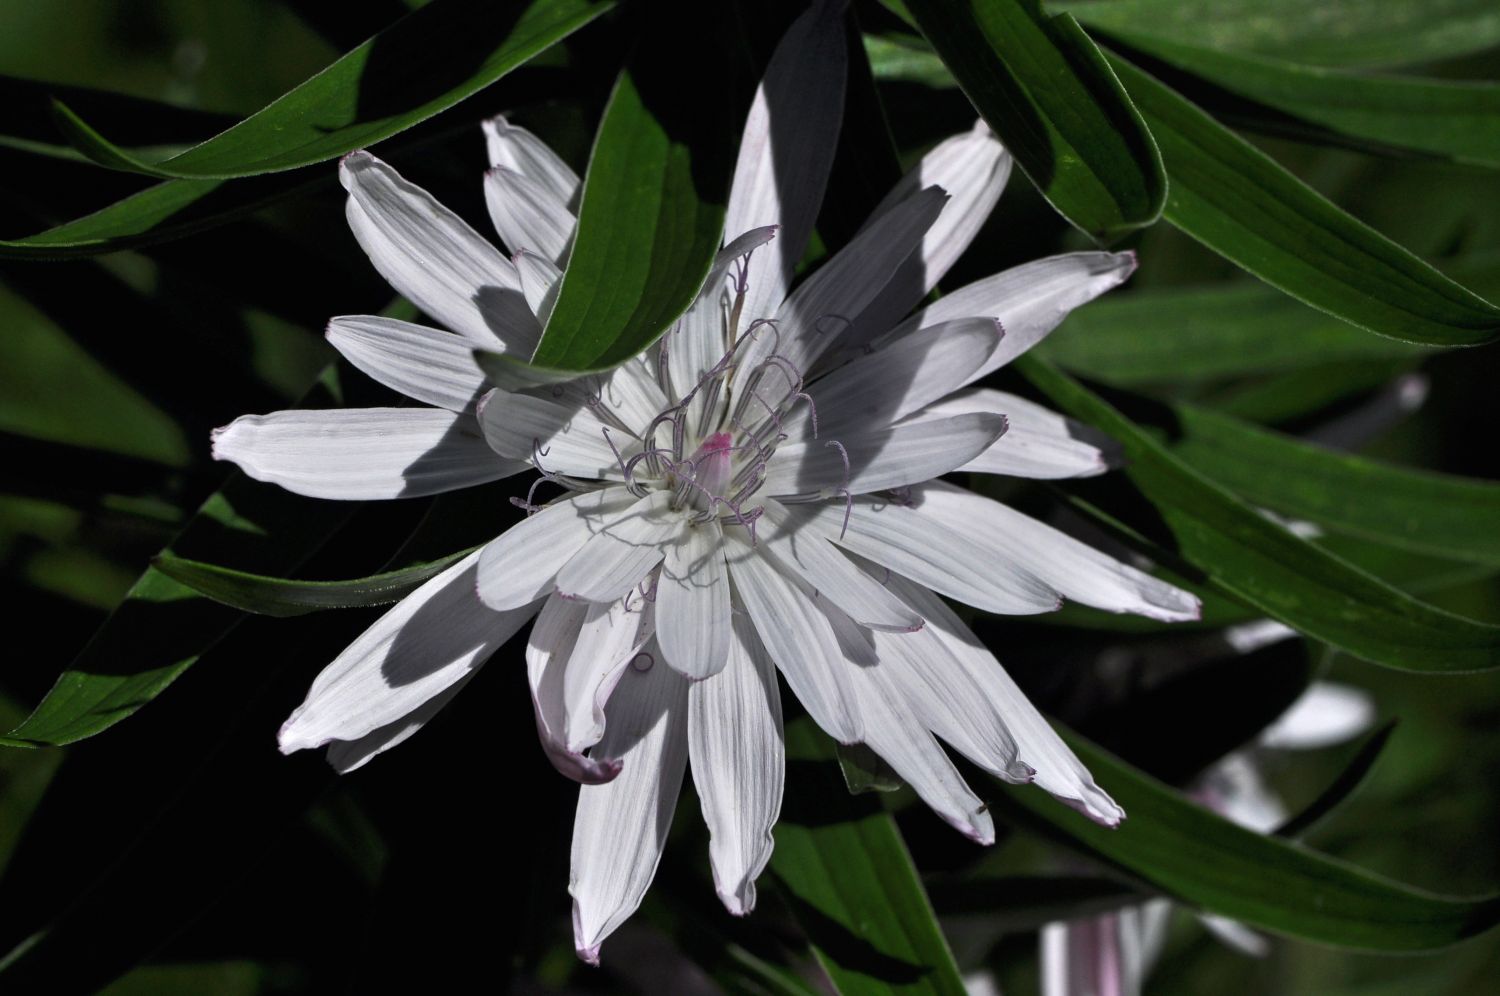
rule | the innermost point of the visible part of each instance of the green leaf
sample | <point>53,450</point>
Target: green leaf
<point>1049,94</point>
<point>1237,550</point>
<point>1173,336</point>
<point>1196,857</point>
<point>1329,33</point>
<point>1240,203</point>
<point>1439,514</point>
<point>1456,120</point>
<point>652,207</point>
<point>866,771</point>
<point>844,870</point>
<point>1342,787</point>
<point>282,597</point>
<point>163,627</point>
<point>1028,902</point>
<point>423,64</point>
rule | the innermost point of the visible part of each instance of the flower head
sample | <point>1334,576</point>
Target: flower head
<point>756,495</point>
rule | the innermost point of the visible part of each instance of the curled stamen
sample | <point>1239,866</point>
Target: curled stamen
<point>844,490</point>
<point>812,410</point>
<point>538,450</point>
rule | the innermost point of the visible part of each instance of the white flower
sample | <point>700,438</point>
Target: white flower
<point>757,494</point>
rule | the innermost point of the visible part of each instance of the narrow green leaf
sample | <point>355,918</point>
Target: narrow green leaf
<point>1027,902</point>
<point>653,201</point>
<point>844,870</point>
<point>1051,97</point>
<point>281,597</point>
<point>1202,859</point>
<point>1175,336</point>
<point>163,627</point>
<point>1342,787</point>
<point>1453,119</point>
<point>1242,553</point>
<point>1243,205</point>
<point>425,63</point>
<point>1329,33</point>
<point>1439,514</point>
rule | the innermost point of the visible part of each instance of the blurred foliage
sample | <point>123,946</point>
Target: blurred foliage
<point>180,853</point>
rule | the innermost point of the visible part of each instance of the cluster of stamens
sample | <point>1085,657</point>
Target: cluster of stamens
<point>735,439</point>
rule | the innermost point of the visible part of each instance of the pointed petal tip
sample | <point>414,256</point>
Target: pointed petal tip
<point>1135,261</point>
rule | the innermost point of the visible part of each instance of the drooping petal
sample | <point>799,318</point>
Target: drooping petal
<point>621,826</point>
<point>426,364</point>
<point>435,259</point>
<point>885,386</point>
<point>1057,768</point>
<point>810,554</point>
<point>348,755</point>
<point>428,641</point>
<point>912,752</point>
<point>574,657</point>
<point>739,764</point>
<point>800,638</point>
<point>362,454</point>
<point>562,435</point>
<point>786,150</point>
<point>973,168</point>
<point>1039,443</point>
<point>692,602</point>
<point>1029,300</point>
<point>513,147</point>
<point>822,307</point>
<point>527,215</point>
<point>617,557</point>
<point>880,459</point>
<point>521,564</point>
<point>540,279</point>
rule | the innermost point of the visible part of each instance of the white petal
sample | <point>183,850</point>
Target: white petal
<point>619,556</point>
<point>799,637</point>
<point>824,305</point>
<point>915,756</point>
<point>698,342</point>
<point>540,279</point>
<point>786,150</point>
<point>973,168</point>
<point>362,453</point>
<point>1075,570</point>
<point>938,691</point>
<point>609,638</point>
<point>513,147</point>
<point>739,764</point>
<point>1039,443</point>
<point>575,656</point>
<point>434,258</point>
<point>1324,715</point>
<point>348,755</point>
<point>621,827</point>
<point>939,554</point>
<point>882,387</point>
<point>1057,768</point>
<point>880,459</point>
<point>810,554</point>
<point>1030,300</point>
<point>692,602</point>
<point>1235,934</point>
<point>562,436</point>
<point>520,565</point>
<point>430,365</point>
<point>527,215</point>
<point>629,392</point>
<point>429,640</point>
